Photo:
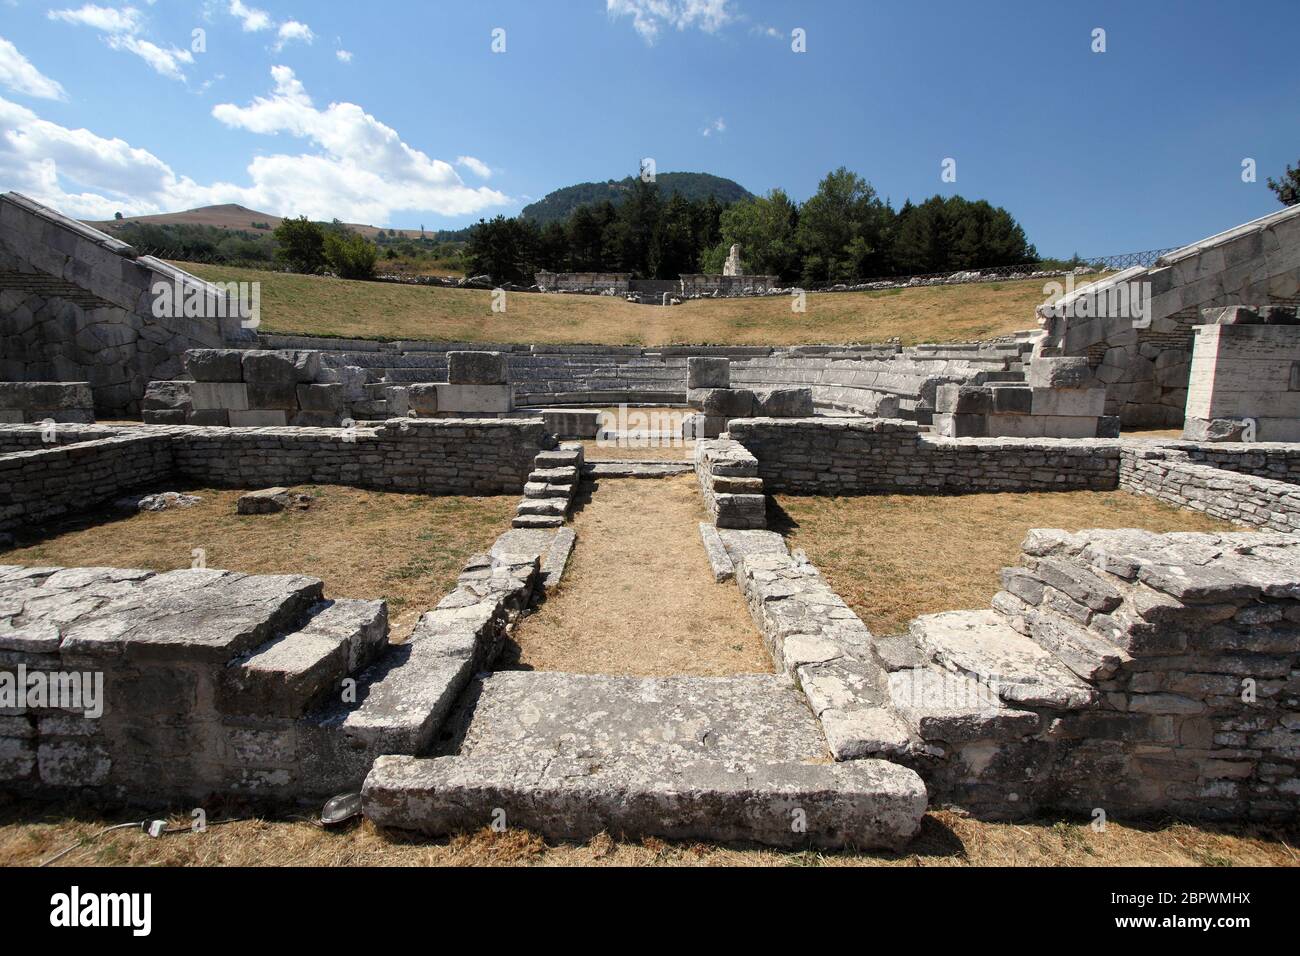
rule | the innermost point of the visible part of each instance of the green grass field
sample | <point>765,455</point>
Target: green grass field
<point>322,306</point>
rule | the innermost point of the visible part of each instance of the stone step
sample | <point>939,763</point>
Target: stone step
<point>289,674</point>
<point>571,755</point>
<point>559,458</point>
<point>541,489</point>
<point>536,521</point>
<point>543,506</point>
<point>636,469</point>
<point>564,475</point>
<point>980,644</point>
<point>939,705</point>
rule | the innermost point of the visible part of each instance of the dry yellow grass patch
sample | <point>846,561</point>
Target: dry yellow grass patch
<point>406,549</point>
<point>946,839</point>
<point>894,557</point>
<point>322,306</point>
<point>638,597</point>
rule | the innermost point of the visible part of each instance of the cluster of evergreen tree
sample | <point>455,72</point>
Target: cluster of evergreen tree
<point>195,243</point>
<point>844,232</point>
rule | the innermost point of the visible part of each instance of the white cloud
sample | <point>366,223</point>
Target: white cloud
<point>253,20</point>
<point>719,125</point>
<point>122,27</point>
<point>18,74</point>
<point>360,171</point>
<point>345,56</point>
<point>105,19</point>
<point>292,30</point>
<point>651,17</point>
<point>476,166</point>
<point>166,62</point>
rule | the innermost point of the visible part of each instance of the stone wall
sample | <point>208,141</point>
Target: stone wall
<point>583,281</point>
<point>445,456</point>
<point>1125,672</point>
<point>827,456</point>
<point>732,491</point>
<point>77,305</point>
<point>1241,498</point>
<point>49,482</point>
<point>1144,360</point>
<point>695,285</point>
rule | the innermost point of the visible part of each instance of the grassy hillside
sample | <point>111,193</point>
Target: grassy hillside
<point>320,306</point>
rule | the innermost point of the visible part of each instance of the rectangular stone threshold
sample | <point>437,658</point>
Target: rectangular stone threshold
<point>569,756</point>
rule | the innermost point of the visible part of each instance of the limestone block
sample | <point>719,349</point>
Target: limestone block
<point>1069,401</point>
<point>320,398</point>
<point>949,425</point>
<point>1011,399</point>
<point>784,403</point>
<point>1064,372</point>
<point>722,402</point>
<point>476,368</point>
<point>45,396</point>
<point>273,395</point>
<point>708,372</point>
<point>258,418</point>
<point>270,368</point>
<point>955,399</point>
<point>398,401</point>
<point>219,395</point>
<point>167,395</point>
<point>215,365</point>
<point>218,417</point>
<point>468,399</point>
<point>422,398</point>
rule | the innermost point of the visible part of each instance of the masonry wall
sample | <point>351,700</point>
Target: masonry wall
<point>43,483</point>
<point>1145,365</point>
<point>444,456</point>
<point>76,306</point>
<point>826,456</point>
<point>1244,499</point>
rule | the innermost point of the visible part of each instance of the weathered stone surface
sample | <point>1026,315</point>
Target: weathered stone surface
<point>783,402</point>
<point>271,501</point>
<point>719,561</point>
<point>980,645</point>
<point>717,758</point>
<point>476,368</point>
<point>708,372</point>
<point>1064,372</point>
<point>940,705</point>
<point>215,365</point>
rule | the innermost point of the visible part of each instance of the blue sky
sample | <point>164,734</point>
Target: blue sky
<point>401,114</point>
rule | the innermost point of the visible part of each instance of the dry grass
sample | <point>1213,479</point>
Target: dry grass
<point>407,549</point>
<point>946,839</point>
<point>894,557</point>
<point>638,597</point>
<point>630,450</point>
<point>323,306</point>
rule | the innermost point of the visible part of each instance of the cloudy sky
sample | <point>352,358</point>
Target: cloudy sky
<point>437,113</point>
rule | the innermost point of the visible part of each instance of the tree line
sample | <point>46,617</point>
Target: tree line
<point>844,232</point>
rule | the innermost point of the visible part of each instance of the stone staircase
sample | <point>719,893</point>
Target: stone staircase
<point>551,487</point>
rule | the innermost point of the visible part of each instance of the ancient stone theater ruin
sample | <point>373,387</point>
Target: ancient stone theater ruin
<point>1140,672</point>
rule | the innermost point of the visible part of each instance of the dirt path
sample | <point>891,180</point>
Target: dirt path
<point>638,598</point>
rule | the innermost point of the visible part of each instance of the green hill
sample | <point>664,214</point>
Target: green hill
<point>559,205</point>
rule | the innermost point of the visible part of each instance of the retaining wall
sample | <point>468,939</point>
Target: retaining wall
<point>76,305</point>
<point>827,456</point>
